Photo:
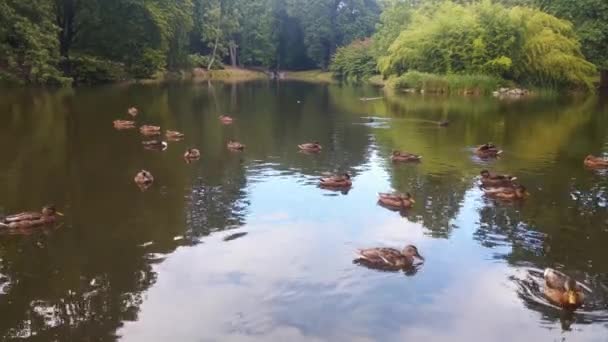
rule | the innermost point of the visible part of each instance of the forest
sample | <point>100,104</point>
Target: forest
<point>559,43</point>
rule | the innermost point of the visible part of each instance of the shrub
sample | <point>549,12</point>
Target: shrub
<point>92,70</point>
<point>202,61</point>
<point>147,64</point>
<point>447,84</point>
<point>354,62</point>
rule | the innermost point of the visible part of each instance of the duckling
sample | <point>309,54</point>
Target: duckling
<point>47,216</point>
<point>192,154</point>
<point>133,111</point>
<point>144,179</point>
<point>174,135</point>
<point>563,290</point>
<point>337,181</point>
<point>512,193</point>
<point>396,201</point>
<point>235,146</point>
<point>226,120</point>
<point>313,147</point>
<point>495,180</point>
<point>488,150</point>
<point>404,157</point>
<point>390,257</point>
<point>124,124</point>
<point>155,145</point>
<point>148,130</point>
<point>596,162</point>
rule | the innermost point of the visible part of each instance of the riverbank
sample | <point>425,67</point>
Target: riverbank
<point>313,76</point>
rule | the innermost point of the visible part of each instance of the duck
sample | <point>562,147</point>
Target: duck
<point>390,257</point>
<point>336,181</point>
<point>226,120</point>
<point>192,154</point>
<point>124,124</point>
<point>512,193</point>
<point>144,178</point>
<point>405,157</point>
<point>48,215</point>
<point>149,130</point>
<point>235,145</point>
<point>133,111</point>
<point>496,180</point>
<point>313,147</point>
<point>174,135</point>
<point>443,123</point>
<point>562,289</point>
<point>596,162</point>
<point>155,145</point>
<point>488,150</point>
<point>397,201</point>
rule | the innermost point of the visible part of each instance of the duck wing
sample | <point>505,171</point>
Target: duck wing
<point>380,255</point>
<point>27,216</point>
<point>555,279</point>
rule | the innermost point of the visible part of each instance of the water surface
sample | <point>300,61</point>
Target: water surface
<point>246,247</point>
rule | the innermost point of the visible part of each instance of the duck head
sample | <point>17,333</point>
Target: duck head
<point>409,197</point>
<point>485,173</point>
<point>412,251</point>
<point>571,292</point>
<point>50,210</point>
<point>521,191</point>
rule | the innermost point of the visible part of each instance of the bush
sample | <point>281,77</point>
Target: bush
<point>354,62</point>
<point>447,84</point>
<point>202,61</point>
<point>147,64</point>
<point>93,70</point>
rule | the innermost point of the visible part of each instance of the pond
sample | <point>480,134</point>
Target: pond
<point>246,247</point>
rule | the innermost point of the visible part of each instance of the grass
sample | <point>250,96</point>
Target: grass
<point>315,76</point>
<point>446,84</point>
<point>228,74</point>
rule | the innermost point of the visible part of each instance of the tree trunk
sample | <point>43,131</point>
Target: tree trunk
<point>604,79</point>
<point>66,12</point>
<point>217,38</point>
<point>233,49</point>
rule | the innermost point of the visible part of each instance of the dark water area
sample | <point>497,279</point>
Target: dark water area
<point>246,246</point>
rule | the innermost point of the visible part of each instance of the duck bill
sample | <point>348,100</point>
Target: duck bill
<point>59,213</point>
<point>572,298</point>
<point>412,200</point>
<point>420,256</point>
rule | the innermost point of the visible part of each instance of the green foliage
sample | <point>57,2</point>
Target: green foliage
<point>90,69</point>
<point>518,43</point>
<point>446,84</point>
<point>200,61</point>
<point>354,62</point>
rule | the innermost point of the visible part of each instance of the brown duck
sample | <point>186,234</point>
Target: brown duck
<point>124,124</point>
<point>313,147</point>
<point>235,146</point>
<point>226,120</point>
<point>337,181</point>
<point>155,145</point>
<point>149,130</point>
<point>488,150</point>
<point>512,193</point>
<point>596,162</point>
<point>133,111</point>
<point>390,257</point>
<point>144,179</point>
<point>47,216</point>
<point>563,290</point>
<point>396,201</point>
<point>489,179</point>
<point>192,154</point>
<point>404,157</point>
<point>174,135</point>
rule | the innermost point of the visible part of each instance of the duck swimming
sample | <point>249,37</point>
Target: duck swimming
<point>155,145</point>
<point>563,290</point>
<point>144,179</point>
<point>226,120</point>
<point>404,157</point>
<point>488,150</point>
<point>443,123</point>
<point>390,257</point>
<point>396,201</point>
<point>123,124</point>
<point>313,147</point>
<point>235,146</point>
<point>512,193</point>
<point>337,181</point>
<point>596,162</point>
<point>47,216</point>
<point>133,111</point>
<point>192,154</point>
<point>149,130</point>
<point>174,135</point>
<point>495,180</point>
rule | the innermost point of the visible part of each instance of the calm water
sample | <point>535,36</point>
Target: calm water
<point>245,247</point>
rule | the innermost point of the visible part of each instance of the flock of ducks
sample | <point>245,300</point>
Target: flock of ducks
<point>559,288</point>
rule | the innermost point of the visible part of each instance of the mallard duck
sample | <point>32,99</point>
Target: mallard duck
<point>511,193</point>
<point>149,130</point>
<point>133,111</point>
<point>495,180</point>
<point>337,181</point>
<point>124,124</point>
<point>174,135</point>
<point>390,257</point>
<point>596,162</point>
<point>235,145</point>
<point>144,178</point>
<point>313,147</point>
<point>155,145</point>
<point>488,150</point>
<point>563,290</point>
<point>25,220</point>
<point>404,157</point>
<point>397,201</point>
<point>226,120</point>
<point>192,154</point>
